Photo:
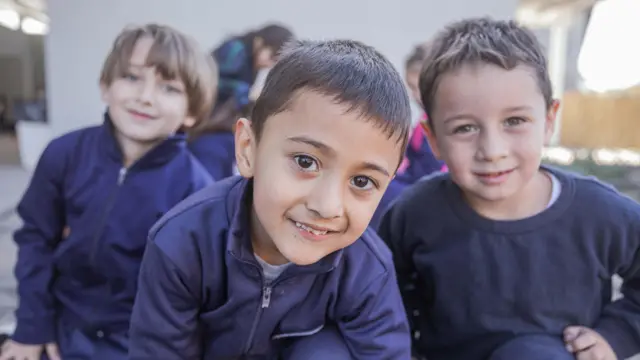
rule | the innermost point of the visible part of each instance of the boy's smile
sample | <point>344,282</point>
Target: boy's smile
<point>494,177</point>
<point>319,171</point>
<point>144,106</point>
<point>141,115</point>
<point>490,126</point>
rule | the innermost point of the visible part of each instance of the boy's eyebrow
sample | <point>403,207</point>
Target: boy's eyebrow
<point>460,117</point>
<point>471,117</point>
<point>331,152</point>
<point>315,143</point>
<point>374,167</point>
<point>518,108</point>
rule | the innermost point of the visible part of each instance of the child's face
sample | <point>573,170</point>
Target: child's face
<point>490,126</point>
<point>319,173</point>
<point>143,106</point>
<point>264,57</point>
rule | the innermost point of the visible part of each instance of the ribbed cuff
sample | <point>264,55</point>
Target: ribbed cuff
<point>35,331</point>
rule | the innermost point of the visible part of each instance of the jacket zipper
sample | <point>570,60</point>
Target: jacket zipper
<point>110,202</point>
<point>265,302</point>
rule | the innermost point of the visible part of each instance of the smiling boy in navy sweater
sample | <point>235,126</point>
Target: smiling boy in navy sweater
<point>97,191</point>
<point>248,266</point>
<point>503,258</point>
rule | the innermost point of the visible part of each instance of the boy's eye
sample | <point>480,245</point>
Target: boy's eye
<point>171,89</point>
<point>131,77</point>
<point>464,129</point>
<point>306,163</point>
<point>514,121</point>
<point>362,182</point>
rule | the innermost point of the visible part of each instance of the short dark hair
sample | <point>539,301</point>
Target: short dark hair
<point>274,36</point>
<point>347,71</point>
<point>482,40</point>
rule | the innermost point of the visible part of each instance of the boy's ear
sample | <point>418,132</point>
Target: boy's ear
<point>245,142</point>
<point>189,122</point>
<point>431,139</point>
<point>550,121</point>
<point>104,92</point>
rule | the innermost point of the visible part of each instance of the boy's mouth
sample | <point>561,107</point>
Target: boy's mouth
<point>141,115</point>
<point>313,232</point>
<point>494,177</point>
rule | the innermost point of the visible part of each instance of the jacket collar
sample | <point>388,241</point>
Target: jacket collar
<point>157,156</point>
<point>239,203</point>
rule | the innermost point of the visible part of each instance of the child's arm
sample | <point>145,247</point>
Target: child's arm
<point>42,213</point>
<point>392,232</point>
<point>620,321</point>
<point>164,323</point>
<point>376,325</point>
<point>231,58</point>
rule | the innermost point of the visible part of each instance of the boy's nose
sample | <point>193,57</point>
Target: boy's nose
<point>492,147</point>
<point>327,200</point>
<point>145,95</point>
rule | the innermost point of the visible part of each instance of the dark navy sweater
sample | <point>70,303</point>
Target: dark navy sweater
<point>216,152</point>
<point>87,278</point>
<point>202,293</point>
<point>477,283</point>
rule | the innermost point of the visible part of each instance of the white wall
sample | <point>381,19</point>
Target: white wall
<point>82,31</point>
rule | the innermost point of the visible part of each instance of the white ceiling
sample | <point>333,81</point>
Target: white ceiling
<point>38,5</point>
<point>545,13</point>
<point>553,5</point>
<point>26,7</point>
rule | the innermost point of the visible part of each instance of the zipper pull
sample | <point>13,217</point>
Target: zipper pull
<point>266,297</point>
<point>122,175</point>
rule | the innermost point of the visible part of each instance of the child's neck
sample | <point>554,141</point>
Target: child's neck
<point>531,200</point>
<point>133,151</point>
<point>262,245</point>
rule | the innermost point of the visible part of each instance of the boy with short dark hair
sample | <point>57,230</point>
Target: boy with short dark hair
<point>253,263</point>
<point>97,191</point>
<point>503,258</point>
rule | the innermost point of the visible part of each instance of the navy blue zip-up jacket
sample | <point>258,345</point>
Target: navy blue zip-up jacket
<point>216,152</point>
<point>201,295</point>
<point>87,278</point>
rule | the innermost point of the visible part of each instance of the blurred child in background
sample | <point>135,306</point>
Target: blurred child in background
<point>97,191</point>
<point>239,60</point>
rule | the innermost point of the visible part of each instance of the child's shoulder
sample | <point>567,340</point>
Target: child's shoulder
<point>71,140</point>
<point>60,151</point>
<point>424,195</point>
<point>368,257</point>
<point>591,193</point>
<point>215,202</point>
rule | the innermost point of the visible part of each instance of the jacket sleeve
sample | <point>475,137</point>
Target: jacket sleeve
<point>231,58</point>
<point>377,326</point>
<point>392,232</point>
<point>42,212</point>
<point>620,320</point>
<point>164,323</point>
